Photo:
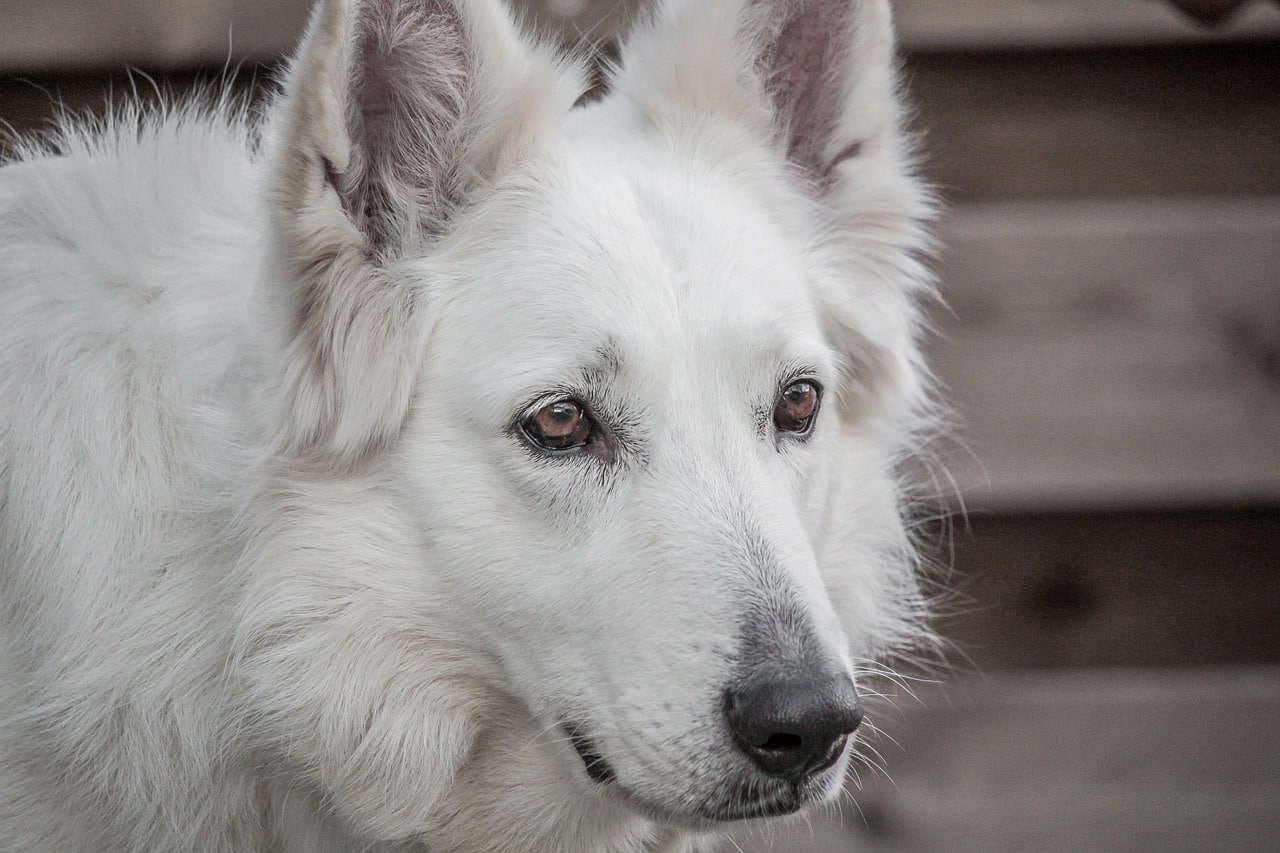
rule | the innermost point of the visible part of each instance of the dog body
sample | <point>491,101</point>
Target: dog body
<point>436,464</point>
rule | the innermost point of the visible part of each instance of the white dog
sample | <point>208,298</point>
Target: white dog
<point>437,463</point>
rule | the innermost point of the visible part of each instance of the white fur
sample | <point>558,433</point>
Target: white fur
<point>276,570</point>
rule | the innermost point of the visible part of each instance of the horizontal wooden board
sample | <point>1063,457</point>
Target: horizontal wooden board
<point>1002,24</point>
<point>1184,120</point>
<point>1059,590</point>
<point>47,35</point>
<point>1113,353</point>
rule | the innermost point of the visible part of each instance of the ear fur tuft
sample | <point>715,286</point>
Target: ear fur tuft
<point>398,113</point>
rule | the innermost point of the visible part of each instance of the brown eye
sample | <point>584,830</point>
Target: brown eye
<point>796,408</point>
<point>562,425</point>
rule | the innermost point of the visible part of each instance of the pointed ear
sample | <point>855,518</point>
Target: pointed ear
<point>397,115</point>
<point>817,81</point>
<point>819,74</point>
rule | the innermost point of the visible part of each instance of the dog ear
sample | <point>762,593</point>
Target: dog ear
<point>397,114</point>
<point>817,79</point>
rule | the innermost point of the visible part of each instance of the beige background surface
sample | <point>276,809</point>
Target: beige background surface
<point>70,34</point>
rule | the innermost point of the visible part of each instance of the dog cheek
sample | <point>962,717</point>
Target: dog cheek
<point>868,561</point>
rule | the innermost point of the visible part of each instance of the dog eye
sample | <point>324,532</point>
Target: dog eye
<point>797,407</point>
<point>561,425</point>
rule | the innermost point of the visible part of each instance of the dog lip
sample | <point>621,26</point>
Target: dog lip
<point>599,769</point>
<point>745,805</point>
<point>711,814</point>
<point>749,810</point>
<point>748,802</point>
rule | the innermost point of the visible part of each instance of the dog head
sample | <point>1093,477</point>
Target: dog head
<point>638,372</point>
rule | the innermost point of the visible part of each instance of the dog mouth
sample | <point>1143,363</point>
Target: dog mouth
<point>749,804</point>
<point>598,769</point>
<point>744,800</point>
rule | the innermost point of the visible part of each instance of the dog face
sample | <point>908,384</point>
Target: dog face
<point>623,447</point>
<point>642,368</point>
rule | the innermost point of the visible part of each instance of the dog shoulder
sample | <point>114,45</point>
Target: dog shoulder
<point>123,247</point>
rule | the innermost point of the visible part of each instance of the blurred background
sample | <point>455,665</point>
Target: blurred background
<point>1111,341</point>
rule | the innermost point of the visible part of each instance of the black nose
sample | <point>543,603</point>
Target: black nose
<point>795,727</point>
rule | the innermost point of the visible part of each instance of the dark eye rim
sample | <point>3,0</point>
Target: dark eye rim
<point>521,430</point>
<point>807,429</point>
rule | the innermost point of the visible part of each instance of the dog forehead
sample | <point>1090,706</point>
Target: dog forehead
<point>609,233</point>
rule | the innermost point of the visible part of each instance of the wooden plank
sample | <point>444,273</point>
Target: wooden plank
<point>992,24</point>
<point>50,35</point>
<point>1159,121</point>
<point>1114,353</point>
<point>47,35</point>
<point>1164,589</point>
<point>1003,24</point>
<point>1014,125</point>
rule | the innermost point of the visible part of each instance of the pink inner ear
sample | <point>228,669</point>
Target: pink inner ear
<point>409,85</point>
<point>807,77</point>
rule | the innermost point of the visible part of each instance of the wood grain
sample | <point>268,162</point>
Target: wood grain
<point>1004,24</point>
<point>1114,353</point>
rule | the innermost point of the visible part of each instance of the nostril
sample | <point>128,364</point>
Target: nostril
<point>782,743</point>
<point>796,727</point>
